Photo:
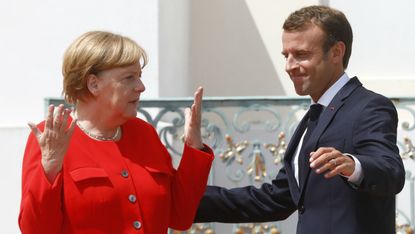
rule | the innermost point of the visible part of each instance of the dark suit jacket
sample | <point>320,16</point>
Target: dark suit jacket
<point>357,121</point>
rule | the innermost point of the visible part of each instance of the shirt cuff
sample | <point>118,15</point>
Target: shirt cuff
<point>357,176</point>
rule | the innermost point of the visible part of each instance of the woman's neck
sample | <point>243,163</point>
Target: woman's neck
<point>96,123</point>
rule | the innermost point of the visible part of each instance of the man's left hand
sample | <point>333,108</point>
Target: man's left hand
<point>332,162</point>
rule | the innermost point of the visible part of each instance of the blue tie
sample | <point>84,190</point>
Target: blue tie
<point>304,156</point>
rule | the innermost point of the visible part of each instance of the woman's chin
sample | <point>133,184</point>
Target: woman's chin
<point>132,114</point>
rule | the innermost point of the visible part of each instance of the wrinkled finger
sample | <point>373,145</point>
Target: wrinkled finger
<point>319,153</point>
<point>198,96</point>
<point>71,127</point>
<point>195,115</point>
<point>35,130</point>
<point>196,108</point>
<point>65,117</point>
<point>187,120</point>
<point>187,113</point>
<point>337,170</point>
<point>49,117</point>
<point>334,162</point>
<point>320,158</point>
<point>327,166</point>
<point>198,99</point>
<point>57,122</point>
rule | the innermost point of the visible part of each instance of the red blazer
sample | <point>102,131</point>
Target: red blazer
<point>129,186</point>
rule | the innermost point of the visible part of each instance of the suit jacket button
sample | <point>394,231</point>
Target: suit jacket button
<point>301,209</point>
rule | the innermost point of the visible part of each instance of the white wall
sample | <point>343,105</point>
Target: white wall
<point>35,35</point>
<point>174,21</point>
<point>383,47</point>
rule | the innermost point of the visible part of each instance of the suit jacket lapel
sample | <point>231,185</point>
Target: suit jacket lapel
<point>288,158</point>
<point>327,116</point>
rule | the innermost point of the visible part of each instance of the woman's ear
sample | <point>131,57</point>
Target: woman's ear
<point>92,84</point>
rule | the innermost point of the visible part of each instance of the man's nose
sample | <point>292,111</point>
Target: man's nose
<point>291,63</point>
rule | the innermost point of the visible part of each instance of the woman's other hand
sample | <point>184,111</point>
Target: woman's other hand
<point>193,118</point>
<point>54,140</point>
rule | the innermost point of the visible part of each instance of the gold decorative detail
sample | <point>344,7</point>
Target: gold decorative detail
<point>404,229</point>
<point>239,231</point>
<point>274,230</point>
<point>233,151</point>
<point>410,149</point>
<point>197,229</point>
<point>257,164</point>
<point>278,150</point>
<point>256,229</point>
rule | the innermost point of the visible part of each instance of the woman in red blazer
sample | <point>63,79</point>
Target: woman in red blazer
<point>100,169</point>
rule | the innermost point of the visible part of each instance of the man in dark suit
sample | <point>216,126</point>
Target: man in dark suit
<point>342,173</point>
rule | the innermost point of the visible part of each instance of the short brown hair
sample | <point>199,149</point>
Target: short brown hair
<point>333,22</point>
<point>93,52</point>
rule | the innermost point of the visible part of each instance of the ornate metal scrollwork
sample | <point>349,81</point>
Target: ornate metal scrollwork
<point>171,131</point>
<point>404,224</point>
<point>401,107</point>
<point>245,126</point>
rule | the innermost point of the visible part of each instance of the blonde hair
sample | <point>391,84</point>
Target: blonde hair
<point>92,53</point>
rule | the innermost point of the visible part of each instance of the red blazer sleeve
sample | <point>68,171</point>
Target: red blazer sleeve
<point>189,184</point>
<point>40,208</point>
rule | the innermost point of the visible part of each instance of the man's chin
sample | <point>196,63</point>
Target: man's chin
<point>301,92</point>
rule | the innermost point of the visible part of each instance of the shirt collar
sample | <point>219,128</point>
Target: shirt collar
<point>326,98</point>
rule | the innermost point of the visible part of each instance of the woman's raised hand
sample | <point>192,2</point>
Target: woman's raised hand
<point>193,119</point>
<point>54,140</point>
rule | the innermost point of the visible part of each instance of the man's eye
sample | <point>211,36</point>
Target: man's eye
<point>302,55</point>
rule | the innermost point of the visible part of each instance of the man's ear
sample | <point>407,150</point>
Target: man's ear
<point>338,51</point>
<point>92,83</point>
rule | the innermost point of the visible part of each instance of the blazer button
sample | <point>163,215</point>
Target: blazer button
<point>124,173</point>
<point>301,209</point>
<point>132,198</point>
<point>137,224</point>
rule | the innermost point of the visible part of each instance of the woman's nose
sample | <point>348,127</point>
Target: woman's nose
<point>140,86</point>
